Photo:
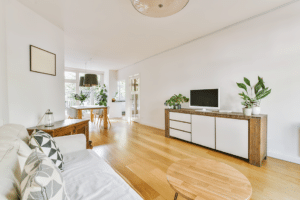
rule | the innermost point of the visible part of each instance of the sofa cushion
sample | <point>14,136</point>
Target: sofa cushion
<point>88,177</point>
<point>41,179</point>
<point>15,130</point>
<point>47,145</point>
<point>23,153</point>
<point>10,173</point>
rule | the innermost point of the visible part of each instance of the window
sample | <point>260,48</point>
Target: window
<point>72,79</point>
<point>121,91</point>
<point>70,90</point>
<point>70,75</point>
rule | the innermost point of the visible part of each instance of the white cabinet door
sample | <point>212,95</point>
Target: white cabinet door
<point>203,130</point>
<point>232,136</point>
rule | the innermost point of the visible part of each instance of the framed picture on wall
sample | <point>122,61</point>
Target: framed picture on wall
<point>42,61</point>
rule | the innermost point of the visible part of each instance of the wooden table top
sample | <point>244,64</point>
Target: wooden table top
<point>88,107</point>
<point>201,178</point>
<point>59,124</point>
<point>234,115</point>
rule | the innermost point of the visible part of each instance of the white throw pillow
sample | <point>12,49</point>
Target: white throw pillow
<point>9,171</point>
<point>23,153</point>
<point>41,179</point>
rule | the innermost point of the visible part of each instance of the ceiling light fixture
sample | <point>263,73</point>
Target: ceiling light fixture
<point>88,80</point>
<point>159,8</point>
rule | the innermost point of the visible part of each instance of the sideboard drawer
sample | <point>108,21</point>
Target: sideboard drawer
<point>181,135</point>
<point>180,117</point>
<point>180,126</point>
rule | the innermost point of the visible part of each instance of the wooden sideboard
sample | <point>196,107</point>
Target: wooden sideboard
<point>232,133</point>
<point>67,127</point>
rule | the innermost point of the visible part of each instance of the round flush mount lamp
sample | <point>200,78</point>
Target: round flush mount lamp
<point>159,8</point>
<point>90,80</point>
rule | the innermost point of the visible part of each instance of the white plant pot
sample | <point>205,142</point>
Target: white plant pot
<point>247,111</point>
<point>256,110</point>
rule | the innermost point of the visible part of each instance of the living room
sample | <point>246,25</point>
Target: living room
<point>203,45</point>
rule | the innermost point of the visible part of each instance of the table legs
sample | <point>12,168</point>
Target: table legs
<point>92,116</point>
<point>105,118</point>
<point>176,195</point>
<point>79,114</point>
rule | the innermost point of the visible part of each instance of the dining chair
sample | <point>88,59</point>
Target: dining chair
<point>98,114</point>
<point>72,113</point>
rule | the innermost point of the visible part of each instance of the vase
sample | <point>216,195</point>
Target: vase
<point>256,110</point>
<point>247,111</point>
<point>177,106</point>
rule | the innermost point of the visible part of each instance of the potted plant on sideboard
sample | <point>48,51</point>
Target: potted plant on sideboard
<point>176,100</point>
<point>253,102</point>
<point>115,97</point>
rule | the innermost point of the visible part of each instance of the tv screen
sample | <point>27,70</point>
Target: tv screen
<point>205,98</point>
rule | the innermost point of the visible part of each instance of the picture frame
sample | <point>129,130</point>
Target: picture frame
<point>42,61</point>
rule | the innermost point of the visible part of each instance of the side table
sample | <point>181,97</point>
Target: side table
<point>67,127</point>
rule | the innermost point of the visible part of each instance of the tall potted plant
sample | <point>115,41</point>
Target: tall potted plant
<point>176,100</point>
<point>252,103</point>
<point>102,96</point>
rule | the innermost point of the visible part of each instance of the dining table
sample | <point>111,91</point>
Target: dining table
<point>91,108</point>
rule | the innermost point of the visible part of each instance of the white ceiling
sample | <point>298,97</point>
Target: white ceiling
<point>115,35</point>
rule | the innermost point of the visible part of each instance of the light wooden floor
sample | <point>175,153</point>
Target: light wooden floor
<point>142,155</point>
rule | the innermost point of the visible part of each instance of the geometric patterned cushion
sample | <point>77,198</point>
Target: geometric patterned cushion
<point>41,179</point>
<point>47,145</point>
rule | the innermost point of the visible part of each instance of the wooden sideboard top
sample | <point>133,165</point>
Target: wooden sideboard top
<point>60,124</point>
<point>233,115</point>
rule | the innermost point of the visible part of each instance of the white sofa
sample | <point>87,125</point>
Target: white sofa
<point>87,176</point>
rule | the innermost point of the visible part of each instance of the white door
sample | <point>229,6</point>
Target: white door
<point>134,98</point>
<point>232,136</point>
<point>203,130</point>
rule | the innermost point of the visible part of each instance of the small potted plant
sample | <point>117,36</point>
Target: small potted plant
<point>253,102</point>
<point>114,99</point>
<point>81,97</point>
<point>248,107</point>
<point>176,100</point>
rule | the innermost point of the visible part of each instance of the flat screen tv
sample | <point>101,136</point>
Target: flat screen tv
<point>205,98</point>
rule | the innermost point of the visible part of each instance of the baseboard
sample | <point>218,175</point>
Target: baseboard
<point>154,126</point>
<point>284,157</point>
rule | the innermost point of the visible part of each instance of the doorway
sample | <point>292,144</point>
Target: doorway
<point>134,97</point>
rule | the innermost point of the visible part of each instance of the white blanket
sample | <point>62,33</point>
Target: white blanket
<point>88,177</point>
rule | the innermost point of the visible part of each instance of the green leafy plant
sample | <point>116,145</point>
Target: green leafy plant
<point>176,100</point>
<point>102,96</point>
<point>81,97</point>
<point>260,92</point>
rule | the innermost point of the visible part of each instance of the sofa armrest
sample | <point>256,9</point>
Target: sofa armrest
<point>71,143</point>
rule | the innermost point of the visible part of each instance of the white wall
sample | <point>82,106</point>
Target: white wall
<point>3,69</point>
<point>30,94</point>
<point>268,46</point>
<point>113,85</point>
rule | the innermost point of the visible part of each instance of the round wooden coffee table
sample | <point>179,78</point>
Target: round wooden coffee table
<point>201,178</point>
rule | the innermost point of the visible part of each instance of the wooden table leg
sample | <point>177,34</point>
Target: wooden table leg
<point>105,118</point>
<point>176,195</point>
<point>92,116</point>
<point>79,114</point>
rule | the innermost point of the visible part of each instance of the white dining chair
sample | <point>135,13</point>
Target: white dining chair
<point>72,113</point>
<point>98,114</point>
